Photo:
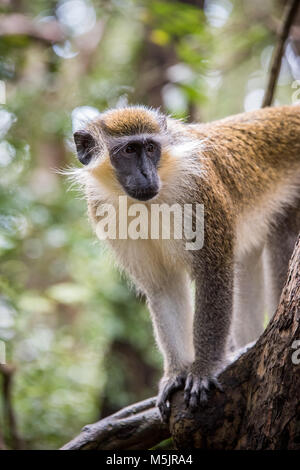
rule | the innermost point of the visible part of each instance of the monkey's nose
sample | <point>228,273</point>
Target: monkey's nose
<point>144,177</point>
<point>144,174</point>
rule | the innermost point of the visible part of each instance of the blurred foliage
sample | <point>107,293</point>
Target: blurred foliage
<point>66,315</point>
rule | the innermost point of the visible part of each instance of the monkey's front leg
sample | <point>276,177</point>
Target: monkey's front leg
<point>171,311</point>
<point>212,320</point>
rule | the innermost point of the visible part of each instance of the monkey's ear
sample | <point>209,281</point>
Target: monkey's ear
<point>85,146</point>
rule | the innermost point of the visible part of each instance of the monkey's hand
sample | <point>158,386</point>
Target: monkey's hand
<point>169,385</point>
<point>197,385</point>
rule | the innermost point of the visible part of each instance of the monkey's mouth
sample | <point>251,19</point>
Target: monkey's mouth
<point>143,195</point>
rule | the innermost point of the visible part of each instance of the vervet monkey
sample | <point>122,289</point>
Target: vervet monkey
<point>245,170</point>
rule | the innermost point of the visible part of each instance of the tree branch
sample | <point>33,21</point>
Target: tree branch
<point>9,412</point>
<point>135,427</point>
<point>290,11</point>
<point>2,443</point>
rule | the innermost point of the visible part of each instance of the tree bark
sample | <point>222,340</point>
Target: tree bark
<point>135,427</point>
<point>259,407</point>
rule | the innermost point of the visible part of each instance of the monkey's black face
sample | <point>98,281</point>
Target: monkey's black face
<point>135,162</point>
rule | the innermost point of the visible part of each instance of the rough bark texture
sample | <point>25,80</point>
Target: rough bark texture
<point>258,409</point>
<point>135,427</point>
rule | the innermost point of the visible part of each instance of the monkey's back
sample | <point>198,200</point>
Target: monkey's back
<point>252,151</point>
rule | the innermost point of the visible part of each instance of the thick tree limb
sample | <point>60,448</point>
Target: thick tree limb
<point>259,408</point>
<point>289,14</point>
<point>136,427</point>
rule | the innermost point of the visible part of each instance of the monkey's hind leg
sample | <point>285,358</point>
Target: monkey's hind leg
<point>249,303</point>
<point>171,310</point>
<point>278,251</point>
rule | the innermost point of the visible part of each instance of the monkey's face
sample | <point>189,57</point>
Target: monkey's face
<point>124,147</point>
<point>135,161</point>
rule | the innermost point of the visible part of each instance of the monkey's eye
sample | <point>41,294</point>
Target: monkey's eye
<point>150,148</point>
<point>130,149</point>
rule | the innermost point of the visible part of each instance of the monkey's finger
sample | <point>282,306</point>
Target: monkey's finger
<point>191,395</point>
<point>170,388</point>
<point>205,384</point>
<point>187,389</point>
<point>217,384</point>
<point>163,402</point>
<point>196,392</point>
<point>203,389</point>
<point>179,382</point>
<point>164,414</point>
<point>165,411</point>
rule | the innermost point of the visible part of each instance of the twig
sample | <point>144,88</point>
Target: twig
<point>7,374</point>
<point>2,443</point>
<point>289,14</point>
